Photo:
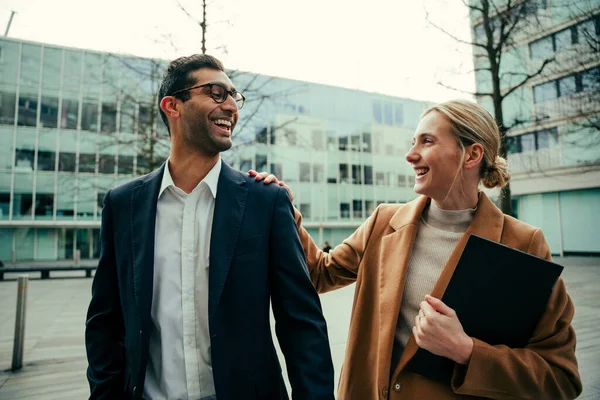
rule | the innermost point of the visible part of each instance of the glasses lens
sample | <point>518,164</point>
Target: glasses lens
<point>218,93</point>
<point>239,99</point>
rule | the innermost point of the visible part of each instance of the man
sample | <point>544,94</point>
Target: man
<point>192,255</point>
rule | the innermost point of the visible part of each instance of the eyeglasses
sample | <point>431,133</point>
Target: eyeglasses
<point>219,93</point>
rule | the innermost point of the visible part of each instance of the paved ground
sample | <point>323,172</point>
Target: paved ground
<point>54,346</point>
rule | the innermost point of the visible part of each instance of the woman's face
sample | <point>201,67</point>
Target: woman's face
<point>435,157</point>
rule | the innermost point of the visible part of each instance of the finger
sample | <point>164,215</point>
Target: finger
<point>438,305</point>
<point>282,183</point>
<point>252,172</point>
<point>271,178</point>
<point>416,335</point>
<point>427,309</point>
<point>261,175</point>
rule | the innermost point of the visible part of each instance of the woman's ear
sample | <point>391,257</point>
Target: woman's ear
<point>473,156</point>
<point>168,105</point>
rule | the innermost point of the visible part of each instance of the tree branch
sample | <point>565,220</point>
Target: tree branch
<point>451,35</point>
<point>529,77</point>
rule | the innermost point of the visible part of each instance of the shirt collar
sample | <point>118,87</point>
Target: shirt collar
<point>211,179</point>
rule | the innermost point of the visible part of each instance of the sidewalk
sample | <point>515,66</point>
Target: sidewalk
<point>54,359</point>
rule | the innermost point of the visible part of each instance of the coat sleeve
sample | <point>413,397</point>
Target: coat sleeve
<point>339,267</point>
<point>545,369</point>
<point>299,323</point>
<point>104,331</point>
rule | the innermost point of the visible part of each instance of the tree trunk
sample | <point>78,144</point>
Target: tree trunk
<point>505,193</point>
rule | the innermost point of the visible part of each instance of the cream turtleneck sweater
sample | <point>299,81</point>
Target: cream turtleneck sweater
<point>438,234</point>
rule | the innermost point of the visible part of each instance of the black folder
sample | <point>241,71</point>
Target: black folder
<point>499,295</point>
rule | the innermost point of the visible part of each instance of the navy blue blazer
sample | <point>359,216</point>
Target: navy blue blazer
<point>255,259</point>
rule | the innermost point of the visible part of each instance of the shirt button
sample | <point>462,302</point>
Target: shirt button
<point>397,387</point>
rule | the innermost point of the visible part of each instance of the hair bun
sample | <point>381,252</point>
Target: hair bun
<point>497,174</point>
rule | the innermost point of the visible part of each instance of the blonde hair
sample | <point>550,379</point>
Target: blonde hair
<point>472,123</point>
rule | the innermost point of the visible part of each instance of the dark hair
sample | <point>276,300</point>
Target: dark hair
<point>178,75</point>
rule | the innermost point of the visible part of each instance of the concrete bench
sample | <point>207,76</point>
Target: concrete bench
<point>45,270</point>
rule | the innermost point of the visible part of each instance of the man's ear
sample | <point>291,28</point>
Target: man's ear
<point>168,105</point>
<point>473,156</point>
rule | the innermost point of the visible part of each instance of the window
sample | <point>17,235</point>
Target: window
<point>563,39</point>
<point>87,163</point>
<point>532,141</point>
<point>318,173</point>
<point>345,210</point>
<point>125,165</point>
<point>357,208</point>
<point>377,116</point>
<point>7,108</point>
<point>545,91</point>
<point>49,112</point>
<point>245,165</point>
<point>261,163</point>
<point>369,207</point>
<point>590,79</point>
<point>366,139</point>
<point>27,110</point>
<point>66,162</point>
<point>380,178</point>
<point>46,160</point>
<point>68,113</point>
<point>89,115</point>
<point>304,172</point>
<point>580,82</point>
<point>355,143</point>
<point>261,135</point>
<point>343,143</point>
<point>305,210</point>
<point>356,174</point>
<point>541,48</point>
<point>291,137</point>
<point>106,164</point>
<point>344,178</point>
<point>24,160</point>
<point>109,118</point>
<point>567,86</point>
<point>368,172</point>
<point>547,138</point>
<point>44,204</point>
<point>388,117</point>
<point>398,115</point>
<point>318,140</point>
<point>127,116</point>
<point>401,180</point>
<point>276,170</point>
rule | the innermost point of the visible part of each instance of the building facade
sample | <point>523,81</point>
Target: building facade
<point>75,123</point>
<point>554,142</point>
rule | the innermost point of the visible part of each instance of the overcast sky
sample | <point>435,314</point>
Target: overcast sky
<point>384,46</point>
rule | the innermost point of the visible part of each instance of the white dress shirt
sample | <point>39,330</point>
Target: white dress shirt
<point>179,364</point>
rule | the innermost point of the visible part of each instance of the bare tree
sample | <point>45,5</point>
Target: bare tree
<point>500,26</point>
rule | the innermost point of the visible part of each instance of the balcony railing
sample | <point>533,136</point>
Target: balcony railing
<point>534,161</point>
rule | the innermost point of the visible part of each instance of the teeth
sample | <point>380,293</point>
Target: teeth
<point>223,122</point>
<point>421,171</point>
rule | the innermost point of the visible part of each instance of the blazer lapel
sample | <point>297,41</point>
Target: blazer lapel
<point>488,223</point>
<point>144,198</point>
<point>227,220</point>
<point>394,267</point>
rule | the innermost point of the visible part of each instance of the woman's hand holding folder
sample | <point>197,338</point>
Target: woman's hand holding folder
<point>438,330</point>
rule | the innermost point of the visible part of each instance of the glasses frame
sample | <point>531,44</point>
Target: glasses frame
<point>210,85</point>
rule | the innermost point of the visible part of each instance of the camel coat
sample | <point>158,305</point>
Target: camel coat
<point>376,257</point>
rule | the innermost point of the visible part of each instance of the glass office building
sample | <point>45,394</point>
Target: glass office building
<point>74,123</point>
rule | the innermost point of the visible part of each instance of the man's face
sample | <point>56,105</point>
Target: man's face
<point>208,125</point>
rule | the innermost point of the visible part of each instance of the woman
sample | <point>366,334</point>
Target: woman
<point>402,259</point>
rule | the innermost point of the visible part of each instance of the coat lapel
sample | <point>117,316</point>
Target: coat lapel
<point>144,198</point>
<point>227,220</point>
<point>394,267</point>
<point>488,223</point>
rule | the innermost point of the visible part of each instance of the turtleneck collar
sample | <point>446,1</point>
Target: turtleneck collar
<point>448,220</point>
